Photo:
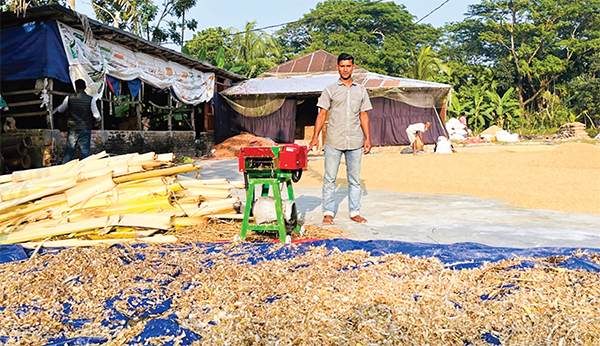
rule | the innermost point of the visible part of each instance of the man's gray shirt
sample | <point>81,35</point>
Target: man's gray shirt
<point>344,105</point>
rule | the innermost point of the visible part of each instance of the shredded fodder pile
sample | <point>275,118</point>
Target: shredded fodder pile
<point>230,148</point>
<point>221,230</point>
<point>320,298</point>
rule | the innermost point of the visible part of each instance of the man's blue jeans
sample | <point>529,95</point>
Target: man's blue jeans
<point>333,158</point>
<point>75,137</point>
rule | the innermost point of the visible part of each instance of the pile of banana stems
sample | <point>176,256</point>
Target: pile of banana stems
<point>107,200</point>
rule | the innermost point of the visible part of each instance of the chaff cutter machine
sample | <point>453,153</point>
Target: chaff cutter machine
<point>272,167</point>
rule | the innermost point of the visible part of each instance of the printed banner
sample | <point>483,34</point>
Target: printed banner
<point>189,85</point>
<point>84,63</point>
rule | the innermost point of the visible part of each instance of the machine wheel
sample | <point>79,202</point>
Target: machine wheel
<point>296,175</point>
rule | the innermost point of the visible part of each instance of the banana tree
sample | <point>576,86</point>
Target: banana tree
<point>457,108</point>
<point>504,109</point>
<point>477,115</point>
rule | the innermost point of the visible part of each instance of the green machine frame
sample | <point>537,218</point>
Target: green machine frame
<point>269,179</point>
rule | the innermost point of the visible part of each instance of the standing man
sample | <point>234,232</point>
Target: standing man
<point>347,134</point>
<point>415,131</point>
<point>81,117</point>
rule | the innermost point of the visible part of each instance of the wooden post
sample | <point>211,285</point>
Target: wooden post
<point>193,118</point>
<point>50,118</point>
<point>138,110</point>
<point>102,97</point>
<point>170,121</point>
<point>206,109</point>
<point>443,111</point>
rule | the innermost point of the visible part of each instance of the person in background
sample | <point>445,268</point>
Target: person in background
<point>414,132</point>
<point>463,120</point>
<point>347,134</point>
<point>82,116</point>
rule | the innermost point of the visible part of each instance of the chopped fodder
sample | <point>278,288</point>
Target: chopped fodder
<point>222,230</point>
<point>320,297</point>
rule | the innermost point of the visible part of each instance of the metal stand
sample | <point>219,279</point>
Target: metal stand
<point>275,184</point>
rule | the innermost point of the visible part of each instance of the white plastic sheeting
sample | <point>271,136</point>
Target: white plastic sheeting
<point>92,64</point>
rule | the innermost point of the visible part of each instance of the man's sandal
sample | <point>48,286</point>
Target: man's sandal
<point>358,219</point>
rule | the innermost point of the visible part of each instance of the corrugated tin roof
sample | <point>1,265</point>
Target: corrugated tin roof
<point>289,85</point>
<point>311,73</point>
<point>313,84</point>
<point>318,61</point>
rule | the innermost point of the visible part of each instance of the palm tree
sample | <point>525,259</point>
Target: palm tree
<point>251,43</point>
<point>424,65</point>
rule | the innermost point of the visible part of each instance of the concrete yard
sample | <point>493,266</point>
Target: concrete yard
<point>434,217</point>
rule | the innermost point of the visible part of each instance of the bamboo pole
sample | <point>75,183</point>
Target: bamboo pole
<point>157,172</point>
<point>19,190</point>
<point>6,205</point>
<point>6,178</point>
<point>37,173</point>
<point>89,188</point>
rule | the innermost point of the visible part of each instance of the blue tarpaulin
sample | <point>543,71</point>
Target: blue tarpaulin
<point>154,306</point>
<point>457,256</point>
<point>33,50</point>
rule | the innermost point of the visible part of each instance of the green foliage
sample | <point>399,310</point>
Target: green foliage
<point>251,43</point>
<point>13,5</point>
<point>424,65</point>
<point>379,35</point>
<point>212,45</point>
<point>541,39</point>
<point>253,67</point>
<point>586,93</point>
<point>503,109</point>
<point>457,108</point>
<point>227,49</point>
<point>219,60</point>
<point>185,159</point>
<point>478,117</point>
<point>137,16</point>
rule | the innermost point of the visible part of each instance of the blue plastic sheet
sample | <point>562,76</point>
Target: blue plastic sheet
<point>153,305</point>
<point>33,50</point>
<point>165,327</point>
<point>456,256</point>
<point>12,253</point>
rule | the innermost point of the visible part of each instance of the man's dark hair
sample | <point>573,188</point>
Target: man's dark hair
<point>80,84</point>
<point>345,56</point>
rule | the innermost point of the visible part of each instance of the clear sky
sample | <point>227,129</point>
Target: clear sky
<point>228,13</point>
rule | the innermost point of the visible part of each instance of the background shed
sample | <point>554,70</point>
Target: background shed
<point>281,104</point>
<point>151,98</point>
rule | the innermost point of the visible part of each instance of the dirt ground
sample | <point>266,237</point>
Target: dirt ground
<point>563,177</point>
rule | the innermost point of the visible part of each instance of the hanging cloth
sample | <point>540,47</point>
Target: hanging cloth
<point>113,84</point>
<point>134,86</point>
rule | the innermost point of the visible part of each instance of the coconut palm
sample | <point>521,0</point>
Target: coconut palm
<point>251,43</point>
<point>424,65</point>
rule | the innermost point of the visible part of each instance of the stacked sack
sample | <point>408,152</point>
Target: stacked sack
<point>456,130</point>
<point>575,129</point>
